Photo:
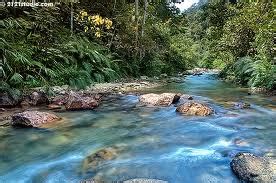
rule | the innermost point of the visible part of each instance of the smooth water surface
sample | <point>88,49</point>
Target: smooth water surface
<point>158,143</point>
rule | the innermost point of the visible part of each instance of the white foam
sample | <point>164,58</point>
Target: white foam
<point>221,143</point>
<point>182,152</point>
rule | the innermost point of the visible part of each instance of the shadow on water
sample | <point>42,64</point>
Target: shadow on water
<point>158,143</point>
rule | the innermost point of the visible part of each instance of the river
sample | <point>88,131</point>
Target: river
<point>158,142</point>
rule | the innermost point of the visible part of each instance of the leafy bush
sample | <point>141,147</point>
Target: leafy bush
<point>29,63</point>
<point>237,38</point>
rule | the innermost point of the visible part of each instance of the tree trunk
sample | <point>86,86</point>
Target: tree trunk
<point>136,21</point>
<point>144,17</point>
<point>142,49</point>
<point>72,18</point>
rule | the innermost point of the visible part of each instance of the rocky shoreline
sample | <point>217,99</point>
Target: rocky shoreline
<point>66,98</point>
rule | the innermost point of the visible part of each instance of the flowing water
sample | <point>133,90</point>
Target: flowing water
<point>158,143</point>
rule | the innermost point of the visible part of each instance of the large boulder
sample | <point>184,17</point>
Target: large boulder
<point>194,108</point>
<point>250,168</point>
<point>34,99</point>
<point>79,102</point>
<point>38,98</point>
<point>184,98</point>
<point>33,118</point>
<point>7,100</point>
<point>59,100</point>
<point>164,99</point>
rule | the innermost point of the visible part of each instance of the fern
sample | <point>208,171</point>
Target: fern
<point>255,73</point>
<point>16,79</point>
<point>31,56</point>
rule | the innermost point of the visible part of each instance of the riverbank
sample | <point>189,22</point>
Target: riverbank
<point>53,98</point>
<point>9,99</point>
<point>39,98</point>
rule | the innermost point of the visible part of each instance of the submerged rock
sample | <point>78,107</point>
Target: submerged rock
<point>242,105</point>
<point>250,168</point>
<point>164,99</point>
<point>96,159</point>
<point>79,102</point>
<point>144,181</point>
<point>194,108</point>
<point>33,118</point>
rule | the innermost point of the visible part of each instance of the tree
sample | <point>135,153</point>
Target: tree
<point>136,22</point>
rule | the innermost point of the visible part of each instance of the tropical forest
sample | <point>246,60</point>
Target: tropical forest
<point>137,91</point>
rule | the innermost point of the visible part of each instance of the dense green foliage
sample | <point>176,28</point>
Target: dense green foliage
<point>237,38</point>
<point>38,49</point>
<point>115,39</point>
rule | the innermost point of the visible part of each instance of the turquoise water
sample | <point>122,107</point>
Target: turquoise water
<point>158,143</point>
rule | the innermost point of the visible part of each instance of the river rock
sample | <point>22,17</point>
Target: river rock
<point>196,71</point>
<point>242,105</point>
<point>257,90</point>
<point>80,102</point>
<point>38,98</point>
<point>175,80</point>
<point>33,118</point>
<point>194,108</point>
<point>251,168</point>
<point>163,75</point>
<point>7,100</point>
<point>60,90</point>
<point>99,157</point>
<point>164,99</point>
<point>53,107</point>
<point>59,100</point>
<point>25,104</point>
<point>185,97</point>
<point>144,78</point>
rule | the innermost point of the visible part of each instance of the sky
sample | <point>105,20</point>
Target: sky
<point>186,4</point>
